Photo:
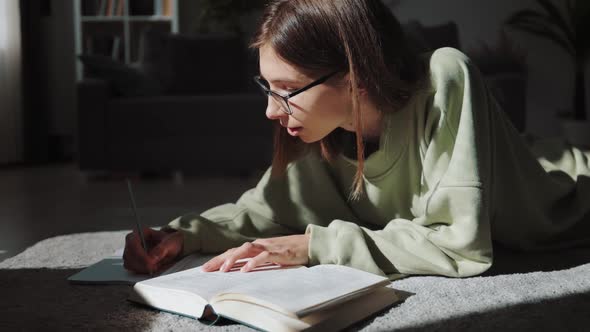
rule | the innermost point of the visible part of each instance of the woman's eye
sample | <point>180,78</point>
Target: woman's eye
<point>282,88</point>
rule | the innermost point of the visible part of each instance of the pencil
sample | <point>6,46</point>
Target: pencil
<point>139,229</point>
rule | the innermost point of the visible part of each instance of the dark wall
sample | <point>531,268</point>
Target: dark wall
<point>550,78</point>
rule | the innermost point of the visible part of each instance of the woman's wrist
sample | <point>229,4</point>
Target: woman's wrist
<point>167,229</point>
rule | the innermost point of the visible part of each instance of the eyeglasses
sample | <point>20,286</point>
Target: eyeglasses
<point>283,100</point>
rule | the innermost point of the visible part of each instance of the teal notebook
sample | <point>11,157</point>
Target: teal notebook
<point>110,270</point>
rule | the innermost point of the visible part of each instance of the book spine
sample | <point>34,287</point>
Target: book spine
<point>158,5</point>
<point>115,6</point>
<point>167,8</point>
<point>120,7</point>
<point>102,8</point>
<point>109,9</point>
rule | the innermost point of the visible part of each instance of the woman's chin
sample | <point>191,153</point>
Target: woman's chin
<point>306,138</point>
<point>309,138</point>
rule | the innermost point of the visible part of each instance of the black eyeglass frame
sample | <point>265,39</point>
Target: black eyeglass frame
<point>268,92</point>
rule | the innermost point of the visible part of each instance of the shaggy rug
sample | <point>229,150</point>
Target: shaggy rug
<point>522,292</point>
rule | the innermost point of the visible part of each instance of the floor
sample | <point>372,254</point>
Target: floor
<point>44,201</point>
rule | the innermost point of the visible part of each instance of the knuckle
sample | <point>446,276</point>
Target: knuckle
<point>262,242</point>
<point>288,253</point>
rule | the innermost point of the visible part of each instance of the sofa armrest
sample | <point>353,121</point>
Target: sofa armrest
<point>93,96</point>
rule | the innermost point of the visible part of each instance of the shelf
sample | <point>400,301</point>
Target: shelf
<point>102,18</point>
<point>123,18</point>
<point>150,18</point>
<point>120,35</point>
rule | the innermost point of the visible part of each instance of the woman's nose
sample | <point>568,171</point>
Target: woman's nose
<point>273,111</point>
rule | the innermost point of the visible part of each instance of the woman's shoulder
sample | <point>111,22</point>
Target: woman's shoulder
<point>449,64</point>
<point>448,56</point>
<point>450,71</point>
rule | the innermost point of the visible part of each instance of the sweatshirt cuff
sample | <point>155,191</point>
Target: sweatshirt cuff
<point>320,245</point>
<point>190,239</point>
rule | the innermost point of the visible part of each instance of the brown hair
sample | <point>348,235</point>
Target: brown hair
<point>359,37</point>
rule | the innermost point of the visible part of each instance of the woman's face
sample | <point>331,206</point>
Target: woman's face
<point>317,111</point>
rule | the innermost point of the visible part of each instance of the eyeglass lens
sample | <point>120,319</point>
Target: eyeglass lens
<point>282,103</point>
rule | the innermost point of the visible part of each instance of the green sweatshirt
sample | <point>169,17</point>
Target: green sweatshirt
<point>450,175</point>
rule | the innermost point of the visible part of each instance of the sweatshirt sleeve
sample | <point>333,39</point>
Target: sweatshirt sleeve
<point>275,207</point>
<point>450,235</point>
<point>229,225</point>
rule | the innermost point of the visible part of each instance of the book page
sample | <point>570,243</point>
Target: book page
<point>188,262</point>
<point>298,292</point>
<point>335,318</point>
<point>207,284</point>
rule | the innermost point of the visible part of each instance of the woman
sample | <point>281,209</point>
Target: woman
<point>385,160</point>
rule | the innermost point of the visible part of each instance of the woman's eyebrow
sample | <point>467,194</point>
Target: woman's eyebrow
<point>281,80</point>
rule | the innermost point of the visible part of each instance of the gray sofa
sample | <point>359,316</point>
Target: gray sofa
<point>224,132</point>
<point>188,104</point>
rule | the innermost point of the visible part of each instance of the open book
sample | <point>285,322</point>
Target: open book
<point>322,297</point>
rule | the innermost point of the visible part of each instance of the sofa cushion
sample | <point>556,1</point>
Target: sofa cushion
<point>125,80</point>
<point>199,64</point>
<point>153,56</point>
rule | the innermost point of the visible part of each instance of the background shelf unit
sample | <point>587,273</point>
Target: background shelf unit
<point>114,27</point>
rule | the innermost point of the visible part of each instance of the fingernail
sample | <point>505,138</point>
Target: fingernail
<point>222,267</point>
<point>245,268</point>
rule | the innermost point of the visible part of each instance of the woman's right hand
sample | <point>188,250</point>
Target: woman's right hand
<point>164,247</point>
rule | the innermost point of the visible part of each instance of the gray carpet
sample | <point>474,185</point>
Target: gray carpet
<point>523,292</point>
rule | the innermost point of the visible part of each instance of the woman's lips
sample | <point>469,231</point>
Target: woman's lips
<point>294,131</point>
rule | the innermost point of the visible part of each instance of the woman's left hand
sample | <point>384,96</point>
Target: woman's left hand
<point>284,250</point>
